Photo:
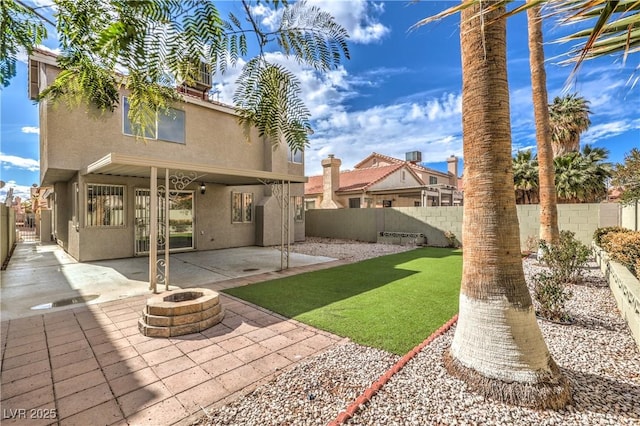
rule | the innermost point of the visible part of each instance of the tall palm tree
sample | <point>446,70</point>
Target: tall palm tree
<point>549,230</point>
<point>569,118</point>
<point>525,177</point>
<point>497,348</point>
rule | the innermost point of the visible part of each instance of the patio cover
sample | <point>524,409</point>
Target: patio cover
<point>128,165</point>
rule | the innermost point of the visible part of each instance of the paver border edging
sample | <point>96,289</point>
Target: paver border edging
<point>385,377</point>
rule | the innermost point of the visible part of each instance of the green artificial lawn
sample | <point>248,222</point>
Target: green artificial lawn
<point>391,302</point>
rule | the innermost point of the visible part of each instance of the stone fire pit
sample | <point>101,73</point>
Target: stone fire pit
<point>174,313</point>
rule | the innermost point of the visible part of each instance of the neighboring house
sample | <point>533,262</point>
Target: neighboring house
<point>224,190</point>
<point>383,181</point>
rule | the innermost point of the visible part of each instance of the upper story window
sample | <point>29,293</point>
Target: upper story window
<point>105,205</point>
<point>168,127</point>
<point>433,180</point>
<point>294,156</point>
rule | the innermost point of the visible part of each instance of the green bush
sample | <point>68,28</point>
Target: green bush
<point>624,247</point>
<point>551,295</point>
<point>565,259</point>
<point>600,233</point>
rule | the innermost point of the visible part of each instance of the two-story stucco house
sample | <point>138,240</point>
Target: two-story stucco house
<point>224,190</point>
<point>383,181</point>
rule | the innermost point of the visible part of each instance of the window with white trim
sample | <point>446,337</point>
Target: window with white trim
<point>105,205</point>
<point>433,180</point>
<point>241,207</point>
<point>168,127</point>
<point>298,209</point>
<point>294,156</point>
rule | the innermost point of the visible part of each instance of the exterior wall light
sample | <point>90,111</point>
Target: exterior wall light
<point>203,188</point>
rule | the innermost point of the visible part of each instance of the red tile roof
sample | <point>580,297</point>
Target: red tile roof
<point>357,179</point>
<point>399,161</point>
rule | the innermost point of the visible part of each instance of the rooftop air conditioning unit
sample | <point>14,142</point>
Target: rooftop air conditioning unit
<point>414,156</point>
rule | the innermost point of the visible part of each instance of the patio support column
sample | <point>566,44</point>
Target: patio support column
<point>167,231</point>
<point>153,229</point>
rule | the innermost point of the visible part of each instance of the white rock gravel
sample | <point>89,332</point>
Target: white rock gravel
<point>596,353</point>
<point>349,250</point>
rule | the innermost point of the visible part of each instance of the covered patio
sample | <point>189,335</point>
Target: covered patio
<point>169,178</point>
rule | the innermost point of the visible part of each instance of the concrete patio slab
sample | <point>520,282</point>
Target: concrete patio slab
<point>41,274</point>
<point>88,364</point>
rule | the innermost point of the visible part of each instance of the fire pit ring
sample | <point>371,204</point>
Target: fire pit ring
<point>175,313</point>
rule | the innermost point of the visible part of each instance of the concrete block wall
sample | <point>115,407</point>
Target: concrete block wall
<point>350,224</point>
<point>364,224</point>
<point>433,222</point>
<point>630,216</point>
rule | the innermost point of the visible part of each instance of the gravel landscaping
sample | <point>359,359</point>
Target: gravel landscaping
<point>596,353</point>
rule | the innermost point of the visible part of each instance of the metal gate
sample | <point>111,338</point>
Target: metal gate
<point>26,229</point>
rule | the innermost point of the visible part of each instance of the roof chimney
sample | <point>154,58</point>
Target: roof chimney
<point>330,182</point>
<point>452,168</point>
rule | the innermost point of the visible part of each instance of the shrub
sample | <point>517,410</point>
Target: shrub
<point>565,259</point>
<point>624,247</point>
<point>532,243</point>
<point>551,295</point>
<point>451,239</point>
<point>600,233</point>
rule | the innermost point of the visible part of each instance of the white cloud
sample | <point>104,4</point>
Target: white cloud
<point>13,161</point>
<point>432,127</point>
<point>270,17</point>
<point>31,129</point>
<point>358,17</point>
<point>607,130</point>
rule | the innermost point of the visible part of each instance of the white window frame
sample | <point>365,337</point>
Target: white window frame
<point>245,198</point>
<point>155,131</point>
<point>89,221</point>
<point>295,157</point>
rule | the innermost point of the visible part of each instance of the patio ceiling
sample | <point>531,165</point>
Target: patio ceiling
<point>128,165</point>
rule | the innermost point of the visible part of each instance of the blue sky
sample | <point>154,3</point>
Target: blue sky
<point>400,92</point>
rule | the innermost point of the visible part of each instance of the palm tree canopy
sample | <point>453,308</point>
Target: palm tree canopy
<point>525,171</point>
<point>569,117</point>
<point>582,176</point>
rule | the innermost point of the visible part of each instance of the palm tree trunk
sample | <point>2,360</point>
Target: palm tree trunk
<point>497,349</point>
<point>546,177</point>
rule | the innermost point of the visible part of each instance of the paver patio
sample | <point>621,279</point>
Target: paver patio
<point>91,365</point>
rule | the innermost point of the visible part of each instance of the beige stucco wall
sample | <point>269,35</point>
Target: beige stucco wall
<point>212,227</point>
<point>71,139</point>
<point>583,219</point>
<point>7,231</point>
<point>630,216</point>
<point>395,180</point>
